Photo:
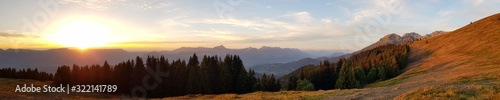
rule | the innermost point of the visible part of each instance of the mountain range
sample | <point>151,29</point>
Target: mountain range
<point>266,59</point>
<point>48,60</point>
<point>250,56</point>
<point>280,69</point>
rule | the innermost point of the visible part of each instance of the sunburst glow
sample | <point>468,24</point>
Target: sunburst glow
<point>83,34</point>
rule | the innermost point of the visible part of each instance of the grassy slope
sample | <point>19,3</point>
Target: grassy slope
<point>270,95</point>
<point>464,63</point>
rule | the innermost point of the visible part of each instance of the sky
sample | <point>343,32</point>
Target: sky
<point>149,25</point>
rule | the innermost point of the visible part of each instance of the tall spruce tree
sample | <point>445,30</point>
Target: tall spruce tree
<point>347,78</point>
<point>193,84</point>
<point>292,83</point>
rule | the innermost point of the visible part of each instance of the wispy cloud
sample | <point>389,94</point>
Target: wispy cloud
<point>474,3</point>
<point>106,4</point>
<point>93,4</point>
<point>274,30</point>
<point>173,22</point>
<point>235,22</point>
<point>157,42</point>
<point>446,13</point>
<point>375,9</point>
<point>14,34</point>
<point>219,35</point>
<point>10,35</point>
<point>300,16</point>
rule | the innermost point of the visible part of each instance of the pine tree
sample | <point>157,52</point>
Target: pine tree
<point>204,76</point>
<point>216,74</point>
<point>347,78</point>
<point>271,84</point>
<point>251,81</point>
<point>242,76</point>
<point>227,74</point>
<point>138,74</point>
<point>372,75</point>
<point>62,75</point>
<point>381,73</point>
<point>193,85</point>
<point>106,74</point>
<point>360,76</point>
<point>75,75</point>
<point>278,85</point>
<point>292,82</point>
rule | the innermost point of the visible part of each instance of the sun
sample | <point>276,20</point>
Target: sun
<point>82,34</point>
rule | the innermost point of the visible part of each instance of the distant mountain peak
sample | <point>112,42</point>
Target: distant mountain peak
<point>269,47</point>
<point>392,36</point>
<point>59,49</point>
<point>411,34</point>
<point>220,47</point>
<point>435,33</point>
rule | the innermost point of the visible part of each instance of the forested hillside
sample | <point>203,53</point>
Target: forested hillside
<point>157,77</point>
<point>366,67</point>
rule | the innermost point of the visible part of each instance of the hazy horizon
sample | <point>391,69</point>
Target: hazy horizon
<point>171,49</point>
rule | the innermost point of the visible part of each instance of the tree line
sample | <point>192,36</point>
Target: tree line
<point>25,74</point>
<point>377,64</point>
<point>213,75</point>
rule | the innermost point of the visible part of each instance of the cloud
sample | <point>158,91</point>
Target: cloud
<point>10,35</point>
<point>446,13</point>
<point>235,22</point>
<point>224,35</point>
<point>325,20</point>
<point>300,16</point>
<point>14,34</point>
<point>173,22</point>
<point>374,9</point>
<point>256,30</point>
<point>279,31</point>
<point>92,4</point>
<point>478,2</point>
<point>158,42</point>
<point>155,6</point>
<point>106,4</point>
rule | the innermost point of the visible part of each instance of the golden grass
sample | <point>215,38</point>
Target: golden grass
<point>464,63</point>
<point>280,95</point>
<point>463,88</point>
<point>394,81</point>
